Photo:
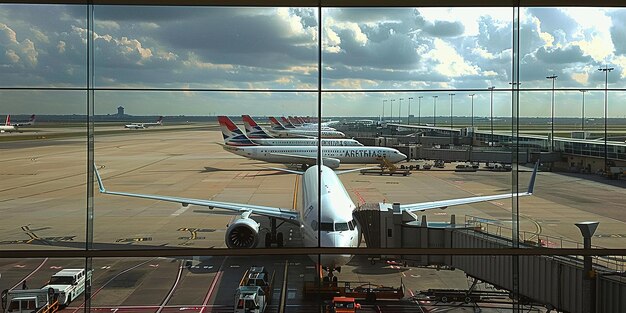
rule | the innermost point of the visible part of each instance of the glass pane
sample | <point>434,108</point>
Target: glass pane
<point>38,51</point>
<point>44,166</point>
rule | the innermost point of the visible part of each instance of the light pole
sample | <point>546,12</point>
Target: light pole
<point>408,114</point>
<point>451,117</point>
<point>582,115</point>
<point>472,95</point>
<point>419,110</point>
<point>391,111</point>
<point>606,71</point>
<point>400,110</point>
<point>384,110</point>
<point>491,111</point>
<point>553,77</point>
<point>435,110</point>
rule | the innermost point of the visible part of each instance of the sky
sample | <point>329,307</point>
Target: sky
<point>262,50</point>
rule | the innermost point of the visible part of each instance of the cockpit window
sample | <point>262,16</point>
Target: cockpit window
<point>326,227</point>
<point>341,226</point>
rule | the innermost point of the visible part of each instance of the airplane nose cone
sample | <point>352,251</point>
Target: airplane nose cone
<point>339,240</point>
<point>401,157</point>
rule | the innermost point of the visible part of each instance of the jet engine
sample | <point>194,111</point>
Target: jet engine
<point>331,162</point>
<point>243,232</point>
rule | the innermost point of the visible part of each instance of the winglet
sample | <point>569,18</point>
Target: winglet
<point>100,184</point>
<point>531,185</point>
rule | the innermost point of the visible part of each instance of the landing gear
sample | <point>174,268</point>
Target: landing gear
<point>274,237</point>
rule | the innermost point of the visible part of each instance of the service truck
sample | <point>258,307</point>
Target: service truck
<point>63,287</point>
<point>255,291</point>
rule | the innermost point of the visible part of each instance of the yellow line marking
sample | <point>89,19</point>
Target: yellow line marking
<point>295,192</point>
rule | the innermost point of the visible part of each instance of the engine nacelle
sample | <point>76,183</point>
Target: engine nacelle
<point>331,162</point>
<point>243,232</point>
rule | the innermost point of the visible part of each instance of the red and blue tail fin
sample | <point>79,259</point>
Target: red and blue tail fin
<point>253,130</point>
<point>233,136</point>
<point>286,122</point>
<point>276,125</point>
<point>8,121</point>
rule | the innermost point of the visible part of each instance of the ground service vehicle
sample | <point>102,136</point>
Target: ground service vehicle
<point>63,287</point>
<point>255,291</point>
<point>343,305</point>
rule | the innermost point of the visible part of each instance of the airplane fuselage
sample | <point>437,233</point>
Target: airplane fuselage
<point>305,142</point>
<point>292,132</point>
<point>307,155</point>
<point>333,222</point>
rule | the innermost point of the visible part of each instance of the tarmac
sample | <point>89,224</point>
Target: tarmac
<point>43,204</point>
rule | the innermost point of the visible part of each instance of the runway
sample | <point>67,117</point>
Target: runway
<point>43,200</point>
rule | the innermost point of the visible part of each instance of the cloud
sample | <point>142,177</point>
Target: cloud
<point>444,29</point>
<point>570,54</point>
<point>449,62</point>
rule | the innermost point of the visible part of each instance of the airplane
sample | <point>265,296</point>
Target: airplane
<point>292,123</point>
<point>282,131</point>
<point>159,122</point>
<point>236,142</point>
<point>8,127</point>
<point>336,226</point>
<point>257,135</point>
<point>31,121</point>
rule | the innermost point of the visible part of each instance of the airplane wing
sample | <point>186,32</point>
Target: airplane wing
<point>283,214</point>
<point>423,206</point>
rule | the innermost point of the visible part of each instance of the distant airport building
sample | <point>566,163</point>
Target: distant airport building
<point>120,111</point>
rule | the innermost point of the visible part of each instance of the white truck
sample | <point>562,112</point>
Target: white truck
<point>255,291</point>
<point>63,287</point>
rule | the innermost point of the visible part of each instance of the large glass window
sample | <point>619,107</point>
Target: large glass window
<point>174,151</point>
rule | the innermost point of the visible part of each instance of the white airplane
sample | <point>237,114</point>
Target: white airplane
<point>7,127</point>
<point>236,142</point>
<point>259,136</point>
<point>31,121</point>
<point>293,123</point>
<point>281,131</point>
<point>336,226</point>
<point>159,122</point>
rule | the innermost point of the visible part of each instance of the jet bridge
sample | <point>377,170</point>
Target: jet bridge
<point>556,282</point>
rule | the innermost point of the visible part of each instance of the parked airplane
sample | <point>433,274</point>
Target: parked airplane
<point>293,123</point>
<point>335,227</point>
<point>159,122</point>
<point>12,127</point>
<point>282,131</point>
<point>31,121</point>
<point>237,143</point>
<point>7,127</point>
<point>258,135</point>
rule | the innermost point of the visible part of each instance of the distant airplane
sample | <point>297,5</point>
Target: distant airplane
<point>31,121</point>
<point>7,127</point>
<point>159,122</point>
<point>257,135</point>
<point>280,130</point>
<point>237,142</point>
<point>335,228</point>
<point>11,127</point>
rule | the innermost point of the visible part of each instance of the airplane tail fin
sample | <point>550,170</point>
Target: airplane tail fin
<point>286,122</point>
<point>253,130</point>
<point>233,136</point>
<point>276,125</point>
<point>294,121</point>
<point>8,121</point>
<point>160,120</point>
